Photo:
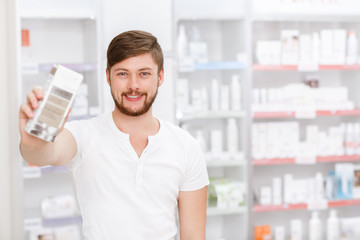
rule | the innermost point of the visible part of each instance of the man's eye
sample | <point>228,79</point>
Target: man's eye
<point>121,74</point>
<point>144,74</point>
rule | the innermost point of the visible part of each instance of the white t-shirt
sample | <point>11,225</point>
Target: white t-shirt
<point>122,196</point>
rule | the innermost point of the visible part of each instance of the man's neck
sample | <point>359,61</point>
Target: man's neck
<point>145,124</point>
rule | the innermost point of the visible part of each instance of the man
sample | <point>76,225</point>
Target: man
<point>131,171</point>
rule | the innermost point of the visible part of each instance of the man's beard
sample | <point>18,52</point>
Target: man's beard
<point>149,100</point>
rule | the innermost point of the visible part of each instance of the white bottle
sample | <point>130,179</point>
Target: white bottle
<point>333,226</point>
<point>352,48</point>
<point>315,48</point>
<point>315,229</point>
<point>235,93</point>
<point>201,140</point>
<point>224,98</point>
<point>296,229</point>
<point>319,186</point>
<point>182,44</point>
<point>232,136</point>
<point>215,96</point>
<point>349,139</point>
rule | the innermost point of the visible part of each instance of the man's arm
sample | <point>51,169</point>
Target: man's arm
<point>192,214</point>
<point>37,151</point>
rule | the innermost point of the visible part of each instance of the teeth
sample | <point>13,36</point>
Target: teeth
<point>133,96</point>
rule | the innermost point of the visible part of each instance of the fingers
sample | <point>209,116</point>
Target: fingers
<point>38,91</point>
<point>27,110</point>
<point>34,96</point>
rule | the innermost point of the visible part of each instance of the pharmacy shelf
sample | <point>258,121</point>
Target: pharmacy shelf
<point>58,222</point>
<point>293,114</point>
<point>258,67</point>
<point>226,163</point>
<point>212,66</point>
<point>57,14</point>
<point>210,115</point>
<point>302,206</point>
<point>33,217</point>
<point>321,17</point>
<point>214,211</point>
<point>37,172</point>
<point>209,17</point>
<point>279,161</point>
<point>46,67</point>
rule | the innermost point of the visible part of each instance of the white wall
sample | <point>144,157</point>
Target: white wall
<point>5,195</point>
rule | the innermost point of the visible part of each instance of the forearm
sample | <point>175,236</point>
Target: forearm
<point>40,155</point>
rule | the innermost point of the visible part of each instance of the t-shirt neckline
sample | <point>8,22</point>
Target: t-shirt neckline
<point>126,136</point>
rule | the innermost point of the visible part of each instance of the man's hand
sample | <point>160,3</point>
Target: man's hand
<point>37,151</point>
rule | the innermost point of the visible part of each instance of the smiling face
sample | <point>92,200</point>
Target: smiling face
<point>134,84</point>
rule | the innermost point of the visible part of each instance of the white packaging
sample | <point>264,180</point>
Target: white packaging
<point>182,44</point>
<point>357,138</point>
<point>59,93</point>
<point>235,93</point>
<point>339,46</point>
<point>350,228</point>
<point>296,229</point>
<point>350,139</point>
<point>204,99</point>
<point>197,46</point>
<point>315,227</point>
<point>279,233</point>
<point>288,188</point>
<point>262,52</point>
<point>215,95</point>
<point>305,55</point>
<point>232,137</point>
<point>275,52</point>
<point>67,233</point>
<point>182,94</point>
<point>276,190</point>
<point>59,206</point>
<point>201,140</point>
<point>352,51</point>
<point>333,226</point>
<point>230,194</point>
<point>326,47</point>
<point>224,98</point>
<point>216,142</point>
<point>290,47</point>
<point>315,48</point>
<point>196,100</point>
<point>265,196</point>
<point>319,186</point>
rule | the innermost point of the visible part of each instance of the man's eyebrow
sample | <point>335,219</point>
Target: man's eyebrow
<point>145,68</point>
<point>120,69</point>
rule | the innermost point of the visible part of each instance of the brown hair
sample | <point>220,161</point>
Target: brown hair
<point>133,43</point>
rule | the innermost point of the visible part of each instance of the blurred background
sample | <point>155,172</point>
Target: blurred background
<point>269,88</point>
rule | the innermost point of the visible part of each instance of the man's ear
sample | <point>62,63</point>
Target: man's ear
<point>108,76</point>
<point>161,77</point>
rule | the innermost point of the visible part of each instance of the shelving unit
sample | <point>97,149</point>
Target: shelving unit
<point>66,33</point>
<point>304,206</point>
<point>258,67</point>
<point>327,159</point>
<point>222,30</point>
<point>266,25</point>
<point>292,114</point>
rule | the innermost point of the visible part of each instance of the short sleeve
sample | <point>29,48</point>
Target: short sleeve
<point>82,132</point>
<point>196,176</point>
